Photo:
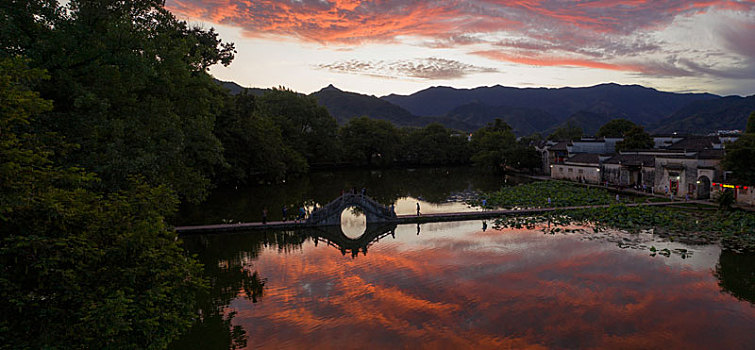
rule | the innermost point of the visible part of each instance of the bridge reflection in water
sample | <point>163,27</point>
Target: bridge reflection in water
<point>335,237</point>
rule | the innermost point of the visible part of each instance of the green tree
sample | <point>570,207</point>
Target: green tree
<point>370,142</point>
<point>254,147</point>
<point>492,145</point>
<point>615,128</point>
<point>635,138</point>
<point>306,126</point>
<point>78,268</point>
<point>130,87</point>
<point>434,145</point>
<point>740,153</point>
<point>531,140</point>
<point>523,157</point>
<point>566,133</point>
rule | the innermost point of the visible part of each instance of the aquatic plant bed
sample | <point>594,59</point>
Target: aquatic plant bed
<point>735,230</point>
<point>536,195</point>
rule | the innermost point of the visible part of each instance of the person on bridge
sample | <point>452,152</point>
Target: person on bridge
<point>302,213</point>
<point>264,216</point>
<point>418,213</point>
<point>285,213</point>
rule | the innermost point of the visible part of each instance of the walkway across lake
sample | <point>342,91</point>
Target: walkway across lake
<point>405,219</point>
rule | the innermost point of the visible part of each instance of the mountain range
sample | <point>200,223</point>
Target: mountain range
<point>542,110</point>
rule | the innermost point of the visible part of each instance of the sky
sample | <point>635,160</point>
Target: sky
<point>403,46</point>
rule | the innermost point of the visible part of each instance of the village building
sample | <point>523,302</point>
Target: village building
<point>594,146</point>
<point>630,170</point>
<point>583,168</point>
<point>683,166</point>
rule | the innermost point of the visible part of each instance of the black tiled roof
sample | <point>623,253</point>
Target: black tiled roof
<point>711,154</point>
<point>561,146</point>
<point>632,159</point>
<point>696,143</point>
<point>584,158</point>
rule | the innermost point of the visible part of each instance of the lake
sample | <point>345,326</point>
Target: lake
<point>460,284</point>
<point>436,189</point>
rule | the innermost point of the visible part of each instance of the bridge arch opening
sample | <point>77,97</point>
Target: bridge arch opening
<point>353,222</point>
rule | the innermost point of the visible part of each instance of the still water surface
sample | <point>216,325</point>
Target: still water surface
<point>455,285</point>
<point>436,189</point>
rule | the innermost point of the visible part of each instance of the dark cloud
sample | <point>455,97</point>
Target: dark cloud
<point>428,68</point>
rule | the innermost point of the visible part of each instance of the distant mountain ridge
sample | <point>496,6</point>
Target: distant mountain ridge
<point>236,89</point>
<point>542,110</point>
<point>637,103</point>
<point>726,113</point>
<point>345,105</point>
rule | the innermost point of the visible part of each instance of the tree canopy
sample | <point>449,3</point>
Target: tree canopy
<point>566,133</point>
<point>306,126</point>
<point>434,144</point>
<point>81,268</point>
<point>740,154</point>
<point>615,128</point>
<point>635,138</point>
<point>106,120</point>
<point>492,145</point>
<point>369,141</point>
<point>253,143</point>
<point>130,87</point>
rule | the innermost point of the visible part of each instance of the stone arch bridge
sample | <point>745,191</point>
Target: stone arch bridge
<point>330,214</point>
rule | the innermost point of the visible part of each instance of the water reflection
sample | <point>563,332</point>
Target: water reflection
<point>353,222</point>
<point>231,277</point>
<point>337,238</point>
<point>736,275</point>
<point>441,188</point>
<point>456,286</point>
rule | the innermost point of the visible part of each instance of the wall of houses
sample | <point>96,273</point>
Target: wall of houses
<point>577,173</point>
<point>677,175</point>
<point>648,177</point>
<point>616,174</point>
<point>612,173</point>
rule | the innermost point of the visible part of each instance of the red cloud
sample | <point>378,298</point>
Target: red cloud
<point>552,61</point>
<point>352,20</point>
<point>592,34</point>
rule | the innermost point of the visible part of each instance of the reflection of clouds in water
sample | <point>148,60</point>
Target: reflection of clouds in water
<point>408,206</point>
<point>461,287</point>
